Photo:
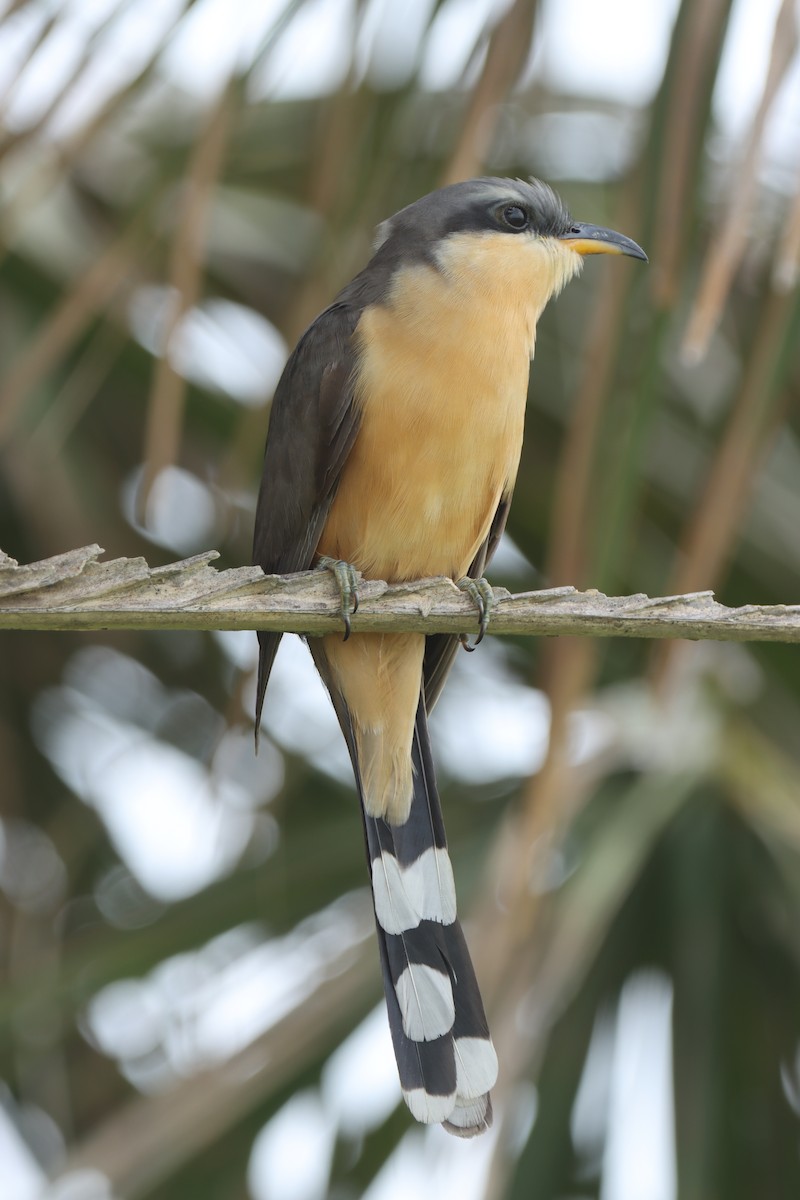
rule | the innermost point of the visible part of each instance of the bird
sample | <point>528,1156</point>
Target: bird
<point>392,450</point>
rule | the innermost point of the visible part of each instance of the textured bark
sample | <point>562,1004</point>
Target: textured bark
<point>77,591</point>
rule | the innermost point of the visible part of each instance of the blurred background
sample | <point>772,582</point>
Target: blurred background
<point>189,989</point>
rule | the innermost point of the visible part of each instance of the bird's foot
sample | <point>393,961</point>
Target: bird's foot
<point>346,577</point>
<point>481,594</point>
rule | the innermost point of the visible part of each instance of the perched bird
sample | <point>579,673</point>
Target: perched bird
<point>393,447</point>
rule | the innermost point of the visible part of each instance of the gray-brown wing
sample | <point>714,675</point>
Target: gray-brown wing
<point>441,648</point>
<point>313,425</point>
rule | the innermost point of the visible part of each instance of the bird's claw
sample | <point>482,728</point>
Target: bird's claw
<point>481,594</point>
<point>346,577</point>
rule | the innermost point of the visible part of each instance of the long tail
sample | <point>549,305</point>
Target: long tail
<point>445,1057</point>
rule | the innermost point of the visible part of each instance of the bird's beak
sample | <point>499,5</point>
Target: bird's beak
<point>594,239</point>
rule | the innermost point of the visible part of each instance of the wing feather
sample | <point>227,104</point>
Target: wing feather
<point>313,425</point>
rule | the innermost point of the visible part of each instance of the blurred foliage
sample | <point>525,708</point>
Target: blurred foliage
<point>661,455</point>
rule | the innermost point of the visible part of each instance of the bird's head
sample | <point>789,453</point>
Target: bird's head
<point>488,233</point>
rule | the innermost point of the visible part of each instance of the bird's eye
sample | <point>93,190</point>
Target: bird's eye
<point>515,216</point>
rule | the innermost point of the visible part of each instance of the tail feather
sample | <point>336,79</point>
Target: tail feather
<point>267,649</point>
<point>445,1056</point>
<point>422,891</point>
<point>427,1070</point>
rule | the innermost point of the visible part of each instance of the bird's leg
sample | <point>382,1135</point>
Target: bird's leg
<point>481,594</point>
<point>346,577</point>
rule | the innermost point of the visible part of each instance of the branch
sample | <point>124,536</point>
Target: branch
<point>76,591</point>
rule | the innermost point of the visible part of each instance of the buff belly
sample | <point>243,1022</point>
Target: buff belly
<point>442,398</point>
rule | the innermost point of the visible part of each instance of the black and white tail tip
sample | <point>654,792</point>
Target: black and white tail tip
<point>445,1057</point>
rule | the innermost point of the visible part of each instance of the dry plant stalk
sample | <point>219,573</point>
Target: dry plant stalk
<point>165,409</point>
<point>705,27</point>
<point>62,94</point>
<point>67,321</point>
<point>786,269</point>
<point>728,248</point>
<point>76,591</point>
<point>64,155</point>
<point>711,532</point>
<point>16,73</point>
<point>506,56</point>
